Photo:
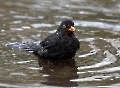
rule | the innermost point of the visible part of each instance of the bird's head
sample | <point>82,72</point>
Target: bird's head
<point>67,25</point>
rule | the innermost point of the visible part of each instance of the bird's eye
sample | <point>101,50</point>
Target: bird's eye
<point>64,26</point>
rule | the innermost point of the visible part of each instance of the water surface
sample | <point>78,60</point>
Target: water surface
<point>97,24</point>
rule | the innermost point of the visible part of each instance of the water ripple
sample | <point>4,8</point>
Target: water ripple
<point>115,27</point>
<point>27,17</point>
<point>110,58</point>
<point>106,70</point>
<point>39,25</point>
<point>115,43</point>
<point>99,77</point>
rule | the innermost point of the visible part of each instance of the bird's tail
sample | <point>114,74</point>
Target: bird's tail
<point>23,46</point>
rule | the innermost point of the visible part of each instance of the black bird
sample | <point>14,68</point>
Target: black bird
<point>61,45</point>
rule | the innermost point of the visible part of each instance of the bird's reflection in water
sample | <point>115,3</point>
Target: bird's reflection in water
<point>59,72</point>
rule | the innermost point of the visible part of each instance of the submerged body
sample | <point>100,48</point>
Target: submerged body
<point>61,45</point>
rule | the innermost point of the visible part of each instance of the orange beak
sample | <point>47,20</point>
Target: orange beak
<point>72,29</point>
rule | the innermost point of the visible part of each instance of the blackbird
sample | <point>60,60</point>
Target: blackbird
<point>61,45</point>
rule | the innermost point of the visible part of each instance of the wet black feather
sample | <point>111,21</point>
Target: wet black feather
<point>61,45</point>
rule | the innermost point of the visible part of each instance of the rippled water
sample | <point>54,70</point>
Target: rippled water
<point>97,25</point>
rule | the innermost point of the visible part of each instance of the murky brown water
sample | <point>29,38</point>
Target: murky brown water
<point>97,63</point>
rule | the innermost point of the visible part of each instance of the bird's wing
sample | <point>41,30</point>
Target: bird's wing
<point>51,41</point>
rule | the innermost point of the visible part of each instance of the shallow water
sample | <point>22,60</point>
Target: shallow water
<point>97,24</point>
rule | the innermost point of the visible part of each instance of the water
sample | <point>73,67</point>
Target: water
<point>97,24</point>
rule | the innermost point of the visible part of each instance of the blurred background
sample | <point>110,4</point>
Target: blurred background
<point>97,24</point>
